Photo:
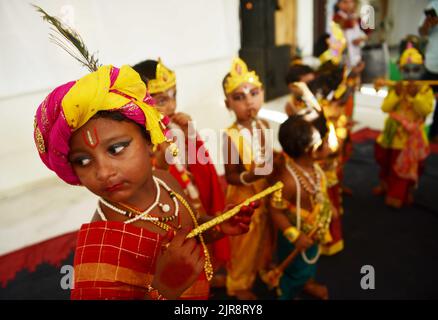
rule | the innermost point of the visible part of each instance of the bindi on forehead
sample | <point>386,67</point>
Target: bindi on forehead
<point>91,139</point>
<point>246,90</point>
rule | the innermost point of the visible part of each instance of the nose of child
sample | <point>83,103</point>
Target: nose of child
<point>104,171</point>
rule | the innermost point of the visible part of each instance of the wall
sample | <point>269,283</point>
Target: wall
<point>305,26</point>
<point>404,18</point>
<point>197,38</point>
<point>286,23</point>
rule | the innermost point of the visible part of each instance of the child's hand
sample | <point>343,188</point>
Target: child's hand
<point>398,88</point>
<point>303,242</point>
<point>296,91</point>
<point>239,224</point>
<point>357,41</point>
<point>412,89</point>
<point>359,67</point>
<point>178,265</point>
<point>182,120</point>
<point>289,109</point>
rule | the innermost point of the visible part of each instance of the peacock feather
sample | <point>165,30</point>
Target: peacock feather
<point>70,41</point>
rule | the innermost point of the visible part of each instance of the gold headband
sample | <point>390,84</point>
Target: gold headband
<point>240,74</point>
<point>411,56</point>
<point>337,45</point>
<point>164,79</point>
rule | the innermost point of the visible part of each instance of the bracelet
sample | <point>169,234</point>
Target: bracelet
<point>277,201</point>
<point>291,234</point>
<point>243,180</point>
<point>154,294</point>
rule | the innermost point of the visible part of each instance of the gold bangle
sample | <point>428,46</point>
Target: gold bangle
<point>154,294</point>
<point>277,201</point>
<point>291,234</point>
<point>242,180</point>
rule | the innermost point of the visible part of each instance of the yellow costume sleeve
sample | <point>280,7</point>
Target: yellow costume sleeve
<point>423,101</point>
<point>391,101</point>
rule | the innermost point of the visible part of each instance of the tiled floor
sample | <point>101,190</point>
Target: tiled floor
<point>52,208</point>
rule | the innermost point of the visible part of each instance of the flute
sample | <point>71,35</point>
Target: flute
<point>379,83</point>
<point>230,213</point>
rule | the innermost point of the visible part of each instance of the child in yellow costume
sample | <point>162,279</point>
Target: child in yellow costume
<point>403,146</point>
<point>248,161</point>
<point>334,89</point>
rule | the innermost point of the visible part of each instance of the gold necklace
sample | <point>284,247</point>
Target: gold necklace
<point>310,186</point>
<point>208,268</point>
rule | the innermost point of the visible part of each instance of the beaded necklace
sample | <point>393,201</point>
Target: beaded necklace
<point>299,183</point>
<point>208,268</point>
<point>312,186</point>
<point>135,214</point>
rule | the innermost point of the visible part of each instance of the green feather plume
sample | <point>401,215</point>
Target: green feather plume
<point>69,40</point>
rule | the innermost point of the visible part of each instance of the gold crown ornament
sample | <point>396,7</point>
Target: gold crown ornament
<point>239,74</point>
<point>337,45</point>
<point>411,56</point>
<point>164,79</point>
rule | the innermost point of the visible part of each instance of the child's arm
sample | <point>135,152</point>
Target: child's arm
<point>233,170</point>
<point>237,225</point>
<point>392,100</point>
<point>278,214</point>
<point>177,267</point>
<point>423,101</point>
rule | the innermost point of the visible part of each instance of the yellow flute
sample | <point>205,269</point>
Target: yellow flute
<point>379,83</point>
<point>230,213</point>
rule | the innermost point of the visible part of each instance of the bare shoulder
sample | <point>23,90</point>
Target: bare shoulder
<point>290,188</point>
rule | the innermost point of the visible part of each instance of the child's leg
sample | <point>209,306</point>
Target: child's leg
<point>316,290</point>
<point>297,273</point>
<point>398,191</point>
<point>383,159</point>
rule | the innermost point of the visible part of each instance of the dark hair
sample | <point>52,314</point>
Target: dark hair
<point>146,69</point>
<point>415,41</point>
<point>296,72</point>
<point>295,135</point>
<point>321,45</point>
<point>224,81</point>
<point>328,77</point>
<point>320,124</point>
<point>117,116</point>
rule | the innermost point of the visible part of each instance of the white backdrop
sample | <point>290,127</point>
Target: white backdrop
<point>181,32</point>
<point>197,38</point>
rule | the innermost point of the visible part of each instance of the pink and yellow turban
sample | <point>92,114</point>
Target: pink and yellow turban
<point>70,106</point>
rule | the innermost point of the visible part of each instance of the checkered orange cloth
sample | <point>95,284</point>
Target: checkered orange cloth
<point>114,260</point>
